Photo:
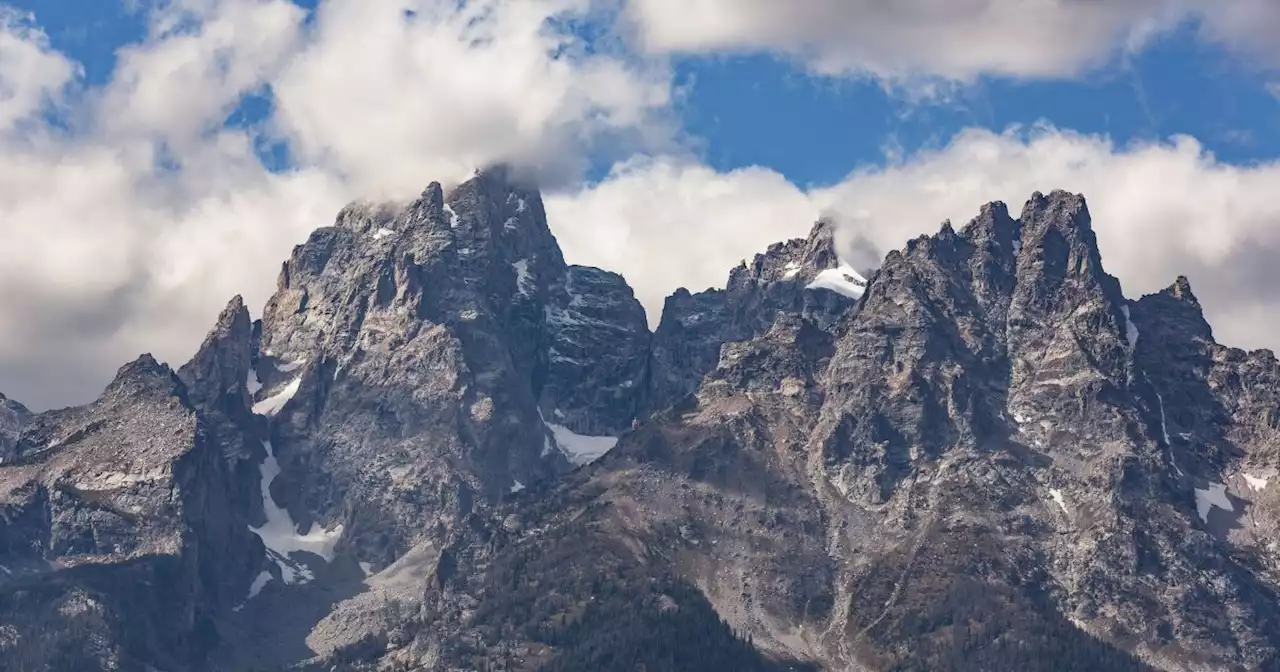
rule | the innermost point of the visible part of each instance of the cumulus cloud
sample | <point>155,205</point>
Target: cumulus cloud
<point>393,100</point>
<point>1159,210</point>
<point>33,75</point>
<point>952,39</point>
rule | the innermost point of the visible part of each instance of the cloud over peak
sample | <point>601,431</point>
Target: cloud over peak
<point>132,210</point>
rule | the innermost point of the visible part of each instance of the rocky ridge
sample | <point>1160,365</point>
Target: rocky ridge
<point>983,456</point>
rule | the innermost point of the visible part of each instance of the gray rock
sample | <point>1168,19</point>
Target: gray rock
<point>119,540</point>
<point>13,417</point>
<point>597,354</point>
<point>983,457</point>
<point>686,345</point>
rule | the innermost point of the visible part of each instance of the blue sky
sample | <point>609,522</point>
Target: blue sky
<point>157,157</point>
<point>768,109</point>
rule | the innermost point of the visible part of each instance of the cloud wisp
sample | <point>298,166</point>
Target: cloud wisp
<point>914,40</point>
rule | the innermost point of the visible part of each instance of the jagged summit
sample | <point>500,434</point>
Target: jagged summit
<point>444,447</point>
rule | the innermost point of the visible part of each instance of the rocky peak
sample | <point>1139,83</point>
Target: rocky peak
<point>988,329</point>
<point>442,350</point>
<point>1174,309</point>
<point>369,217</point>
<point>994,226</point>
<point>219,372</point>
<point>798,260</point>
<point>501,222</point>
<point>802,276</point>
<point>1181,289</point>
<point>1064,300</point>
<point>13,418</point>
<point>144,376</point>
<point>1059,255</point>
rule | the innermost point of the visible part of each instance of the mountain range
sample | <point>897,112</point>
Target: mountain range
<point>442,447</point>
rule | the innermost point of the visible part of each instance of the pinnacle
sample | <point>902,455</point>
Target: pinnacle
<point>1181,289</point>
<point>144,367</point>
<point>1060,209</point>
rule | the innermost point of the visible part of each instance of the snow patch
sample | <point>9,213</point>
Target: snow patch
<point>1256,483</point>
<point>581,449</point>
<point>556,316</point>
<point>6,570</point>
<point>1164,423</point>
<point>383,233</point>
<point>517,487</point>
<point>1130,329</point>
<point>511,224</point>
<point>843,280</point>
<point>280,534</point>
<point>523,280</point>
<point>290,367</point>
<point>1057,497</point>
<point>1216,495</point>
<point>1164,429</point>
<point>792,268</point>
<point>259,582</point>
<point>367,568</point>
<point>521,206</point>
<point>251,381</point>
<point>453,216</point>
<point>1017,247</point>
<point>272,404</point>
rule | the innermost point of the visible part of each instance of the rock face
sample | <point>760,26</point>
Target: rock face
<point>13,417</point>
<point>796,277</point>
<point>119,541</point>
<point>983,456</point>
<point>598,354</point>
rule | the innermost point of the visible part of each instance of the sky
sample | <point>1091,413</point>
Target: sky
<point>158,157</point>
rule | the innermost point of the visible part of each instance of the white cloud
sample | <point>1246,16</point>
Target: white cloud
<point>670,222</point>
<point>1159,211</point>
<point>33,74</point>
<point>394,102</point>
<point>953,39</point>
<point>1248,26</point>
<point>198,63</point>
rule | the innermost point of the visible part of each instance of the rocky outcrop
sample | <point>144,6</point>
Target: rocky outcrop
<point>13,417</point>
<point>597,355</point>
<point>119,540</point>
<point>801,276</point>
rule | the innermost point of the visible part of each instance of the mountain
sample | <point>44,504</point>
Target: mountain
<point>444,448</point>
